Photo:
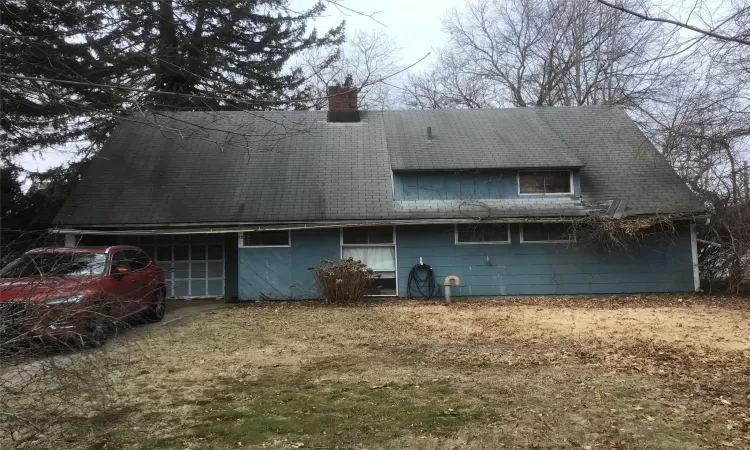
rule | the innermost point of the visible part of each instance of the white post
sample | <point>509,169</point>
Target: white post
<point>71,240</point>
<point>696,267</point>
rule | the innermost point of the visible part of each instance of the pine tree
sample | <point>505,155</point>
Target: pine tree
<point>213,48</point>
<point>224,48</point>
<point>36,42</point>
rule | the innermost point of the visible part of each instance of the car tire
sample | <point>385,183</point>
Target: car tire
<point>99,326</point>
<point>158,308</point>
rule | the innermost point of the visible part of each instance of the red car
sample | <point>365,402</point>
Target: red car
<point>79,293</point>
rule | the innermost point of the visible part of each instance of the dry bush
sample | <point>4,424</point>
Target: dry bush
<point>345,281</point>
<point>621,233</point>
<point>725,263</point>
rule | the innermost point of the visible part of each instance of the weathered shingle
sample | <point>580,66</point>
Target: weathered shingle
<point>474,139</point>
<point>242,167</point>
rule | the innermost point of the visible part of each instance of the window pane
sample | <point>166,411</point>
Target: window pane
<point>215,269</point>
<point>140,260</point>
<point>368,235</point>
<point>148,239</point>
<point>383,285</point>
<point>164,254</point>
<point>181,288</point>
<point>215,287</point>
<point>198,270</point>
<point>557,182</point>
<point>129,240</point>
<point>215,252</point>
<point>376,258</point>
<point>181,238</point>
<point>483,232</point>
<point>531,182</point>
<point>182,270</point>
<point>149,251</point>
<point>198,251</point>
<point>545,232</point>
<point>198,287</point>
<point>181,252</point>
<point>265,238</point>
<point>131,260</point>
<point>119,259</point>
<point>164,239</point>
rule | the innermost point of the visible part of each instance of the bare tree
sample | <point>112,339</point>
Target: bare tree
<point>448,85</point>
<point>546,53</point>
<point>361,61</point>
<point>702,125</point>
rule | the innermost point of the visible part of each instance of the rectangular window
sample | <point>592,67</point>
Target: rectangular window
<point>375,247</point>
<point>544,182</point>
<point>545,232</point>
<point>368,235</point>
<point>483,233</point>
<point>271,238</point>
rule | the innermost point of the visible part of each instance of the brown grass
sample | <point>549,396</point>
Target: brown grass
<point>503,374</point>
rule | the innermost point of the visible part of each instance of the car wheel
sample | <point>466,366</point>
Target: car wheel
<point>159,306</point>
<point>99,326</point>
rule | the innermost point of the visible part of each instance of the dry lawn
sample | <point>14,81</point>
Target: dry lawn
<point>663,372</point>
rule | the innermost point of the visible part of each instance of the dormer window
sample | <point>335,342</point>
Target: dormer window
<point>552,182</point>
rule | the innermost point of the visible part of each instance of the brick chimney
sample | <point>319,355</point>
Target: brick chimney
<point>342,104</point>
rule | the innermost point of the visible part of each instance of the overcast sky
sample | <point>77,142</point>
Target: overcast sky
<point>413,24</point>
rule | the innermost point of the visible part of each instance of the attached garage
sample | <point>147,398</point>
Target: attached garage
<point>195,265</point>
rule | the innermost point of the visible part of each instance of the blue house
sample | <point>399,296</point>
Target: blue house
<point>240,204</point>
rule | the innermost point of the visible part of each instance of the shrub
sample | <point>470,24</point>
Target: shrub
<point>345,281</point>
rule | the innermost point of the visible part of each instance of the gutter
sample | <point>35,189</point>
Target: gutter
<point>168,229</point>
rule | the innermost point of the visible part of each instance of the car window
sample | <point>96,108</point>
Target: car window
<point>55,264</point>
<point>120,259</point>
<point>137,259</point>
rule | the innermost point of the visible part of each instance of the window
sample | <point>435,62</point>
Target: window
<point>53,264</point>
<point>271,238</point>
<point>375,247</point>
<point>483,233</point>
<point>119,259</point>
<point>368,235</point>
<point>544,182</point>
<point>545,232</point>
<point>137,260</point>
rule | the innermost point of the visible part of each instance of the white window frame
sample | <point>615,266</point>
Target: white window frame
<point>557,241</point>
<point>395,256</point>
<point>455,235</point>
<point>241,240</point>
<point>518,182</point>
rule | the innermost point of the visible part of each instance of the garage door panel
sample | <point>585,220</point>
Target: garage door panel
<point>193,264</point>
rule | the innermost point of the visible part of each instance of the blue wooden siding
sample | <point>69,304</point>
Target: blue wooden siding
<point>281,272</point>
<point>463,185</point>
<point>659,265</point>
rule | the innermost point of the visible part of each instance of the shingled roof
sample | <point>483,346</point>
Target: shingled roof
<point>280,167</point>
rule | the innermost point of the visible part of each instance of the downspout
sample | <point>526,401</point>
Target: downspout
<point>447,286</point>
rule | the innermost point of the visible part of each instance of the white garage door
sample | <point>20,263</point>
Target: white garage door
<point>193,264</point>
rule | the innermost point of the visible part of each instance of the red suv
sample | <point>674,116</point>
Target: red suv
<point>78,292</point>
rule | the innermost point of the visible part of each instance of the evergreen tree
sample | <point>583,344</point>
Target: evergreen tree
<point>42,39</point>
<point>211,48</point>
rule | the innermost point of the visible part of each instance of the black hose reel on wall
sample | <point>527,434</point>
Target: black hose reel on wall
<point>422,282</point>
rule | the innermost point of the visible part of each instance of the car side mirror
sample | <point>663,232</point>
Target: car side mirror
<point>119,271</point>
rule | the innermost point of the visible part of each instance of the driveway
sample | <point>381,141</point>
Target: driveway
<point>177,309</point>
